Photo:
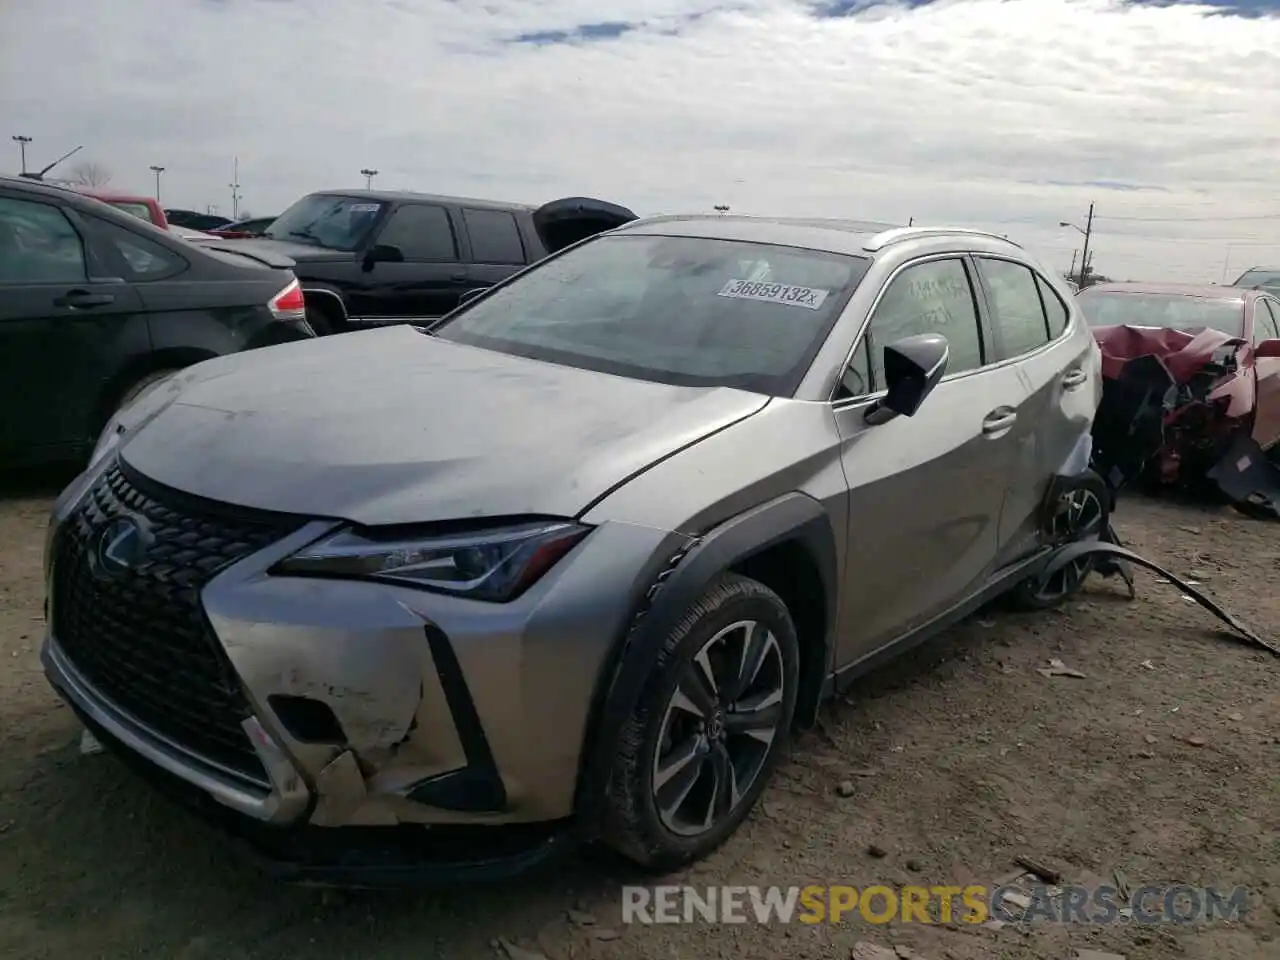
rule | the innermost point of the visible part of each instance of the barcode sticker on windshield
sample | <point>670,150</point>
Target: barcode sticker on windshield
<point>363,207</point>
<point>808,297</point>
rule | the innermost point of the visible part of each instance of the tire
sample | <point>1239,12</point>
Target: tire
<point>142,386</point>
<point>1031,594</point>
<point>659,835</point>
<point>321,321</point>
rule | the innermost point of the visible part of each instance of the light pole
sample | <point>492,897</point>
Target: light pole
<point>235,188</point>
<point>368,173</point>
<point>157,170</point>
<point>1088,232</point>
<point>22,142</point>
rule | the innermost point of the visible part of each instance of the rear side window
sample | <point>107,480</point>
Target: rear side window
<point>931,297</point>
<point>422,232</point>
<point>1055,310</point>
<point>1016,311</point>
<point>38,244</point>
<point>143,258</point>
<point>495,237</point>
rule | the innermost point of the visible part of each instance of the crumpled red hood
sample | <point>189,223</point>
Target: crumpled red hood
<point>1183,353</point>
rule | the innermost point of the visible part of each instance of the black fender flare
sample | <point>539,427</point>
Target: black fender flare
<point>791,517</point>
<point>328,294</point>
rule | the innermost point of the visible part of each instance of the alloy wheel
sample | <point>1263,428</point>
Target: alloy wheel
<point>718,728</point>
<point>1079,516</point>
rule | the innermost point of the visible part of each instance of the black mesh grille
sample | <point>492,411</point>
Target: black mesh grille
<point>140,635</point>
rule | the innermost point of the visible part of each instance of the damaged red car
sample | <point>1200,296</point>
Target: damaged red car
<point>1192,386</point>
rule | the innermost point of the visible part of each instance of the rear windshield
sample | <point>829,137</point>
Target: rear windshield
<point>139,210</point>
<point>680,310</point>
<point>1178,312</point>
<point>322,220</point>
<point>1259,278</point>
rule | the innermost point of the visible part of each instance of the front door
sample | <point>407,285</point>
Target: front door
<point>63,326</point>
<point>430,280</point>
<point>926,491</point>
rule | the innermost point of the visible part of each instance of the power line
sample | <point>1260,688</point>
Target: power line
<point>1263,216</point>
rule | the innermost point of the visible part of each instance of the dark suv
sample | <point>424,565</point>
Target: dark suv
<point>96,305</point>
<point>368,258</point>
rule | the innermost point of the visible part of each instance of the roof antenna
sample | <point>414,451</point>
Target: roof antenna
<point>40,175</point>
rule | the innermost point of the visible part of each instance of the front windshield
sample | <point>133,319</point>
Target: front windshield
<point>1174,311</point>
<point>679,310</point>
<point>1259,278</point>
<point>322,220</point>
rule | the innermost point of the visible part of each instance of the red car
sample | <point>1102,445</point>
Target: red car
<point>1192,380</point>
<point>145,208</point>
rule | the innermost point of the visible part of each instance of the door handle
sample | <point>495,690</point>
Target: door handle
<point>1073,379</point>
<point>81,299</point>
<point>458,277</point>
<point>999,420</point>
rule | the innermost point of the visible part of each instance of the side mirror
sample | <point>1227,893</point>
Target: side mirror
<point>912,368</point>
<point>1267,349</point>
<point>470,295</point>
<point>383,253</point>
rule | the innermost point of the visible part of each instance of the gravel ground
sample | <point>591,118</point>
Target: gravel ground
<point>1160,762</point>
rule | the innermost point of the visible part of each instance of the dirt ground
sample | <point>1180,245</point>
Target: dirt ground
<point>1161,762</point>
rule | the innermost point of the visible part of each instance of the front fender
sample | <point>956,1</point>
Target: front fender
<point>792,517</point>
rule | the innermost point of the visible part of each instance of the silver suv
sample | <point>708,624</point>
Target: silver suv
<point>575,560</point>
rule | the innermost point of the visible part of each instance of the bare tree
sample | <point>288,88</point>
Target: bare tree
<point>90,175</point>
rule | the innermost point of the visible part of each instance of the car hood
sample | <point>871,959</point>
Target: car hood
<point>394,426</point>
<point>1183,352</point>
<point>299,252</point>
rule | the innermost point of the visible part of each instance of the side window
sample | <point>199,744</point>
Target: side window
<point>495,238</point>
<point>1055,310</point>
<point>145,259</point>
<point>857,381</point>
<point>38,244</point>
<point>931,297</point>
<point>422,232</point>
<point>1265,322</point>
<point>1016,312</point>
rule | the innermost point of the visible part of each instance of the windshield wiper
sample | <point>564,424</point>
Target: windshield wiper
<point>306,235</point>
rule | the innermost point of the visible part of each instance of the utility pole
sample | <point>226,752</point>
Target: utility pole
<point>22,142</point>
<point>368,173</point>
<point>911,221</point>
<point>1072,269</point>
<point>1084,256</point>
<point>157,170</point>
<point>235,188</point>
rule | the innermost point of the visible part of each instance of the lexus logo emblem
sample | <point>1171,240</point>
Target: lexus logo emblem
<point>121,546</point>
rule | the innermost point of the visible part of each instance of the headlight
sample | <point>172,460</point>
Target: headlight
<point>496,564</point>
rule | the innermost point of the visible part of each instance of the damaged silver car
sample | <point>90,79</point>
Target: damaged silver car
<point>434,603</point>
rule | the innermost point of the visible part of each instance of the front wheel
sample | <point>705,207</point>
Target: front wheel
<point>710,726</point>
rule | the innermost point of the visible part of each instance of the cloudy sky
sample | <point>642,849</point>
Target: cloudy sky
<point>1007,114</point>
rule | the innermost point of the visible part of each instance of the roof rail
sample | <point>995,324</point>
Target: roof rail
<point>899,234</point>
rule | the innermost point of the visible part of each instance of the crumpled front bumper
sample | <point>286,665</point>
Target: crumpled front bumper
<point>389,721</point>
